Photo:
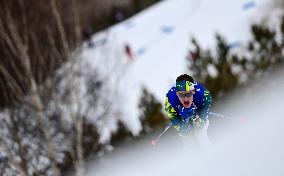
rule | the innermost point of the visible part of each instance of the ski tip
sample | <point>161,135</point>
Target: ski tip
<point>154,142</point>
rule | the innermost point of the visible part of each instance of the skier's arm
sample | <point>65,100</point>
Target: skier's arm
<point>172,114</point>
<point>181,126</point>
<point>204,111</point>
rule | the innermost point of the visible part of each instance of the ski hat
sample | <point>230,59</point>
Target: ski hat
<point>184,86</point>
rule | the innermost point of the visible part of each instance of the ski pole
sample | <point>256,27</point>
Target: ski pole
<point>225,117</point>
<point>155,141</point>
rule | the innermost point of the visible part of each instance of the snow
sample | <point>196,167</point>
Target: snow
<point>212,71</point>
<point>252,147</point>
<point>160,38</point>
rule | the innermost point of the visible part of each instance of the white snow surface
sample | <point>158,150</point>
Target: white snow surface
<point>160,39</point>
<point>253,146</point>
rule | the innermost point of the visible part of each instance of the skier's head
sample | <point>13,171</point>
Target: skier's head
<point>185,89</point>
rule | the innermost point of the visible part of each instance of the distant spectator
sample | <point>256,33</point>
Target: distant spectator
<point>129,52</point>
<point>87,36</point>
<point>119,16</point>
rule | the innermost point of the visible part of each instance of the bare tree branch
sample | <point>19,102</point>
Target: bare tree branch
<point>60,27</point>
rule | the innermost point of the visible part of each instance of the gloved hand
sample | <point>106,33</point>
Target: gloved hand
<point>198,122</point>
<point>186,113</point>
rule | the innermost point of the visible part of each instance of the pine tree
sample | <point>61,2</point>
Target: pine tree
<point>150,109</point>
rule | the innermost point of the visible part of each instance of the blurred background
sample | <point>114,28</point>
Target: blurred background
<point>83,84</point>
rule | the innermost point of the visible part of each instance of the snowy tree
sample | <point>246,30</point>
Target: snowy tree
<point>223,70</point>
<point>150,111</point>
<point>35,133</point>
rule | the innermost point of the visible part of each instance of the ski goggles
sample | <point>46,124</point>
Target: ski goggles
<point>188,95</point>
<point>184,86</point>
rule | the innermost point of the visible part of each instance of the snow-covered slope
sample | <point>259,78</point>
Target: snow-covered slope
<point>163,34</point>
<point>159,38</point>
<point>253,148</point>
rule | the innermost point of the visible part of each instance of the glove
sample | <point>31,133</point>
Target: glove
<point>186,113</point>
<point>198,122</point>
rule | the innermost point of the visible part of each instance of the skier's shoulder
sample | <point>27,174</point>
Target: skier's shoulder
<point>201,91</point>
<point>172,97</point>
<point>198,87</point>
<point>172,91</point>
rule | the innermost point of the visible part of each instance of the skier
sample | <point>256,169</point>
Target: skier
<point>187,105</point>
<point>87,36</point>
<point>128,52</point>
